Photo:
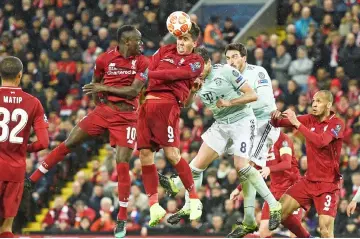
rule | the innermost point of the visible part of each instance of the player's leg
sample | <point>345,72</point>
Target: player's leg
<point>326,207</point>
<point>243,144</point>
<point>123,155</point>
<point>293,223</point>
<point>202,160</point>
<point>11,197</point>
<point>89,126</point>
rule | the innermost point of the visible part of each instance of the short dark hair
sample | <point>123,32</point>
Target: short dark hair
<point>10,67</point>
<point>123,29</point>
<point>328,95</point>
<point>203,53</point>
<point>194,31</point>
<point>237,47</point>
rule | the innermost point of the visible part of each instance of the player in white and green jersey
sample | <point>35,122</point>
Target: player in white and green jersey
<point>226,92</point>
<point>259,80</point>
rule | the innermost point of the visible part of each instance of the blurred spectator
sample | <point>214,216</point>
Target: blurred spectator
<point>95,199</point>
<point>302,25</point>
<point>83,211</point>
<point>105,223</point>
<point>231,215</point>
<point>301,68</point>
<point>261,61</point>
<point>349,57</point>
<point>150,33</point>
<point>250,47</point>
<point>60,214</point>
<point>213,38</point>
<point>229,31</point>
<point>280,65</point>
<point>217,225</point>
<point>139,199</point>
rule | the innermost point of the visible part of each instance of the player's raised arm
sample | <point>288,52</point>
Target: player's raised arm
<point>239,83</point>
<point>278,119</point>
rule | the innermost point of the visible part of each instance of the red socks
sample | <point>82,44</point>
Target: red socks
<point>50,161</point>
<point>124,184</point>
<point>184,172</point>
<point>7,235</point>
<point>294,225</point>
<point>150,179</point>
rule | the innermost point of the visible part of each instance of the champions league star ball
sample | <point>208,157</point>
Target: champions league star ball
<point>178,23</point>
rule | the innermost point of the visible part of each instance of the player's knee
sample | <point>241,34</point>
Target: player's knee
<point>146,156</point>
<point>240,163</point>
<point>173,155</point>
<point>325,227</point>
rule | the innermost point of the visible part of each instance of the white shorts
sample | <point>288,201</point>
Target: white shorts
<point>266,137</point>
<point>241,134</point>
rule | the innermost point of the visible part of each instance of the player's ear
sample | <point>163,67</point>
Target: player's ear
<point>18,78</point>
<point>329,105</point>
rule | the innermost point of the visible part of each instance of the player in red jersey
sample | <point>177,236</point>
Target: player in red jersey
<point>19,112</point>
<point>122,72</point>
<point>172,72</point>
<point>283,169</point>
<point>323,132</point>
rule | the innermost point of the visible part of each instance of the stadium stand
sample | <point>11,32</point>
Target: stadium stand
<point>59,40</point>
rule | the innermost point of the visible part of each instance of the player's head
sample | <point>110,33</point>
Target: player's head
<point>187,43</point>
<point>236,54</point>
<point>129,40</point>
<point>206,57</point>
<point>11,69</point>
<point>322,102</point>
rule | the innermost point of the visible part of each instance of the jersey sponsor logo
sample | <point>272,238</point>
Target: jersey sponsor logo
<point>261,75</point>
<point>168,60</point>
<point>264,81</point>
<point>336,130</point>
<point>239,79</point>
<point>208,96</point>
<point>235,73</point>
<point>195,66</point>
<point>115,71</point>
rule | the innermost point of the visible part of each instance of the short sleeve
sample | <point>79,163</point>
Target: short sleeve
<point>141,67</point>
<point>40,119</point>
<point>262,79</point>
<point>336,128</point>
<point>234,76</point>
<point>99,67</point>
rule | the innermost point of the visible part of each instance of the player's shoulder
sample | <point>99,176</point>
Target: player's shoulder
<point>258,70</point>
<point>29,100</point>
<point>167,48</point>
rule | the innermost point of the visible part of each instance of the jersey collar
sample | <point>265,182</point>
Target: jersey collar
<point>10,87</point>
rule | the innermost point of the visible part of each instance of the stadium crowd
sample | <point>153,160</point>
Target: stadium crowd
<point>59,40</point>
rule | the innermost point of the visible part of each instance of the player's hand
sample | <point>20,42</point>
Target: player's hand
<point>235,195</point>
<point>221,103</point>
<point>265,172</point>
<point>291,116</point>
<point>351,208</point>
<point>93,88</point>
<point>276,114</point>
<point>197,85</point>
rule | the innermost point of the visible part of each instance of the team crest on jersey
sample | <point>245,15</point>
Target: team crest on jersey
<point>218,81</point>
<point>235,73</point>
<point>261,75</point>
<point>133,64</point>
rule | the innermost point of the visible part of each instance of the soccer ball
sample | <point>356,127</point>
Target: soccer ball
<point>178,23</point>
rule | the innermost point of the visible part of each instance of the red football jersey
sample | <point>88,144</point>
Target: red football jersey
<point>19,112</point>
<point>282,180</point>
<point>118,71</point>
<point>165,59</point>
<point>323,146</point>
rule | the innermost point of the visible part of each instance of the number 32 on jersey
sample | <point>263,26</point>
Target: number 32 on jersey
<point>18,115</point>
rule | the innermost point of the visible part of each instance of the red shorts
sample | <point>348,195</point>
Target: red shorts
<point>121,125</point>
<point>10,198</point>
<point>325,196</point>
<point>158,124</point>
<point>265,213</point>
